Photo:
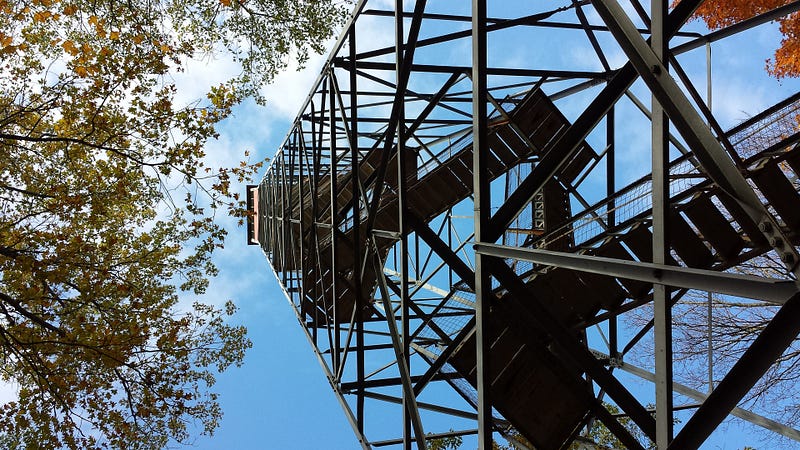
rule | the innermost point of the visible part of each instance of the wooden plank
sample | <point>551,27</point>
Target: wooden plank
<point>533,111</point>
<point>577,164</point>
<point>461,171</point>
<point>794,159</point>
<point>546,130</point>
<point>780,193</point>
<point>611,248</point>
<point>419,199</point>
<point>684,240</point>
<point>749,227</point>
<point>514,141</point>
<point>714,227</point>
<point>640,240</point>
<point>501,150</point>
<point>605,288</point>
<point>495,166</point>
<point>580,301</point>
<point>530,389</point>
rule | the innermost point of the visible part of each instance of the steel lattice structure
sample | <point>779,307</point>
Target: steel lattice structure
<point>513,256</point>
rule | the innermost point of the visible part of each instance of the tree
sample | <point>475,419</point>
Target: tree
<point>445,443</point>
<point>722,13</point>
<point>598,436</point>
<point>733,325</point>
<point>107,208</point>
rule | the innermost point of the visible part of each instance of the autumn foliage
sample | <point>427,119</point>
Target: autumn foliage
<point>107,210</point>
<point>721,13</point>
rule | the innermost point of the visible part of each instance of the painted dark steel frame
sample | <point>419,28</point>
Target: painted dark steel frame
<point>297,170</point>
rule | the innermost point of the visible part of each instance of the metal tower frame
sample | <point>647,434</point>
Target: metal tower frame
<point>459,292</point>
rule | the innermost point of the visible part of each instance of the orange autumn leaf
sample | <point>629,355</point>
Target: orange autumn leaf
<point>41,16</point>
<point>722,13</point>
<point>70,47</point>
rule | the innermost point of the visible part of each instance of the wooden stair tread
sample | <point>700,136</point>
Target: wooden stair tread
<point>714,227</point>
<point>780,193</point>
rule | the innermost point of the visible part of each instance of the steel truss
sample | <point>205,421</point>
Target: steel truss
<point>458,292</point>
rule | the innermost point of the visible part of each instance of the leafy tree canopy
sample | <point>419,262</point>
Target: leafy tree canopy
<point>107,206</point>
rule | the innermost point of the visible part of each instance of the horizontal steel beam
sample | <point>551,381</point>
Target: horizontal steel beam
<point>429,436</point>
<point>507,71</point>
<point>769,16</point>
<point>426,406</point>
<point>770,344</point>
<point>694,394</point>
<point>748,286</point>
<point>396,381</point>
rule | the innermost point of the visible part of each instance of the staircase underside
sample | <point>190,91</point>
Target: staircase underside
<point>543,397</point>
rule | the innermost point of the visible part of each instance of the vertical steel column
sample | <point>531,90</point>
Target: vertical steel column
<point>285,222</point>
<point>663,312</point>
<point>301,148</point>
<point>270,241</point>
<point>334,227</point>
<point>289,208</point>
<point>312,232</point>
<point>400,112</point>
<point>710,348</point>
<point>481,212</point>
<point>449,220</point>
<point>354,162</point>
<point>709,311</point>
<point>611,218</point>
<point>277,227</point>
<point>323,290</point>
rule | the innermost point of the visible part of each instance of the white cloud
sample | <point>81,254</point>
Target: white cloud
<point>286,94</point>
<point>9,392</point>
<point>201,74</point>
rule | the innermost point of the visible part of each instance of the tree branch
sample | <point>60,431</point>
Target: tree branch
<point>33,317</point>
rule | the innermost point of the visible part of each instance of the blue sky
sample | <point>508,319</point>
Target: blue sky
<point>280,398</point>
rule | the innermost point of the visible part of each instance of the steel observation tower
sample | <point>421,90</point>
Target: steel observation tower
<point>483,208</point>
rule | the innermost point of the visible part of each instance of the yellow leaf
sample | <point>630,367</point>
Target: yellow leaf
<point>81,71</point>
<point>70,47</point>
<point>70,10</point>
<point>114,35</point>
<point>41,16</point>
